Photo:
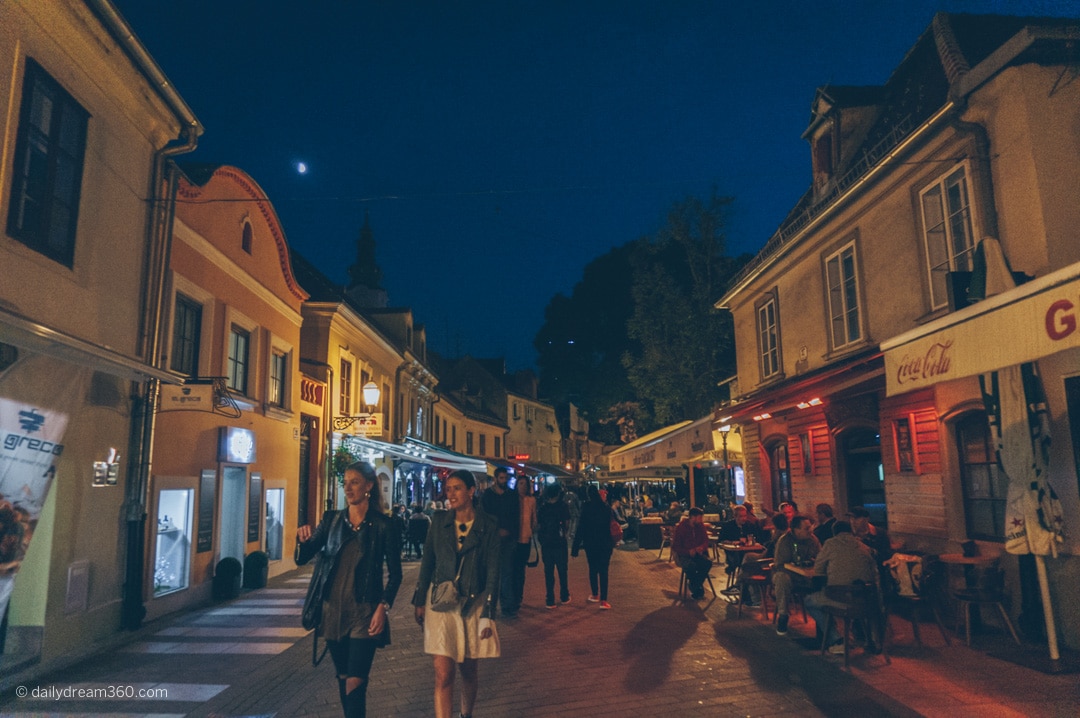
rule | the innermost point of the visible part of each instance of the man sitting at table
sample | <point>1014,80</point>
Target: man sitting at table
<point>691,546</point>
<point>734,531</point>
<point>795,547</point>
<point>843,560</point>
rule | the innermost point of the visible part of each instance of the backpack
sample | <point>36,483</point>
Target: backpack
<point>551,526</point>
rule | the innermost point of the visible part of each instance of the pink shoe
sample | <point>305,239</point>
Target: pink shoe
<point>605,606</point>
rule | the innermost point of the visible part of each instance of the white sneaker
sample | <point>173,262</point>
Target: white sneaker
<point>593,599</point>
<point>837,649</point>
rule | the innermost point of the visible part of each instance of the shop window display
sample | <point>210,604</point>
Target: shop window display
<point>173,553</point>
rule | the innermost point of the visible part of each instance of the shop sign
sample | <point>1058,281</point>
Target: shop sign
<point>1025,330</point>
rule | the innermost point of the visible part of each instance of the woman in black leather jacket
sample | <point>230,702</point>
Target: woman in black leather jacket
<point>358,541</point>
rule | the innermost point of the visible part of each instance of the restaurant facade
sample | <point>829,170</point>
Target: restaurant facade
<point>859,340</point>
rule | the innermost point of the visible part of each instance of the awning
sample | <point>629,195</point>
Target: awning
<point>419,452</point>
<point>36,337</point>
<point>643,473</point>
<point>538,469</point>
<point>1020,325</point>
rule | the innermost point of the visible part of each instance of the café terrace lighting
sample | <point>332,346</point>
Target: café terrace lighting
<point>762,416</point>
<point>807,404</point>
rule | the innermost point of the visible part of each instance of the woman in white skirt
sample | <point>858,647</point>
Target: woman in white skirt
<point>462,546</point>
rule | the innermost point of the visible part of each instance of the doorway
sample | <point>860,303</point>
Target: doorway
<point>780,473</point>
<point>232,512</point>
<point>861,451</point>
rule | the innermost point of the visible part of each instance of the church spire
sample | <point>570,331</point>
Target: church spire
<point>364,272</point>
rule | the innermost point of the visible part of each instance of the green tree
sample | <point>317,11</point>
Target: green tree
<point>681,348</point>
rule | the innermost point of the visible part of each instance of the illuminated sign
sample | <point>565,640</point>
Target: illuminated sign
<point>236,446</point>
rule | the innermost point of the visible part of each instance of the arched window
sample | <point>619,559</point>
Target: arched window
<point>245,239</point>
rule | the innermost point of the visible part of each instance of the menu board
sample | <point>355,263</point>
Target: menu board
<point>255,507</point>
<point>207,493</point>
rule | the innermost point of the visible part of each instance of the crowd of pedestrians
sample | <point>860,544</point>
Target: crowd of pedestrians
<point>475,548</point>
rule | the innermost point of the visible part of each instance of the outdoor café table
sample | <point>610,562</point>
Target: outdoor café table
<point>742,548</point>
<point>806,571</point>
<point>967,563</point>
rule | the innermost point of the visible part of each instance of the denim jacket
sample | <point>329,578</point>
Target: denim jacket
<point>479,579</point>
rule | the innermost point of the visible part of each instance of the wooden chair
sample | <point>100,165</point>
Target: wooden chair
<point>683,584</point>
<point>986,587</point>
<point>755,576</point>
<point>857,602</point>
<point>928,593</point>
<point>667,534</point>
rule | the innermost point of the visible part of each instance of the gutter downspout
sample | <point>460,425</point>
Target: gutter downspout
<point>159,240</point>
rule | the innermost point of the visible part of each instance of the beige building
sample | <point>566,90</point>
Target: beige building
<point>82,259</point>
<point>226,450</point>
<point>974,135</point>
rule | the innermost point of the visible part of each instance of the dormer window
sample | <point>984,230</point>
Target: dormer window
<point>823,158</point>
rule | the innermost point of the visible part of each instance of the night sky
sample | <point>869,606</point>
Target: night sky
<point>498,147</point>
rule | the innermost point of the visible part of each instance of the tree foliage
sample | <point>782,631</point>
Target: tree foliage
<point>638,343</point>
<point>682,347</point>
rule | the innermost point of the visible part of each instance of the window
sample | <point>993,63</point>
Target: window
<point>843,297</point>
<point>245,238</point>
<point>453,437</point>
<point>948,231</point>
<point>172,554</point>
<point>468,442</point>
<point>49,152</point>
<point>985,485</point>
<point>498,446</point>
<point>279,362</point>
<point>483,445</point>
<point>187,328</point>
<point>768,336</point>
<point>239,347</point>
<point>345,400</point>
<point>780,473</point>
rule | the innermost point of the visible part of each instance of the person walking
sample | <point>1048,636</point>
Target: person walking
<point>552,525</point>
<point>526,526</point>
<point>502,503</point>
<point>418,529</point>
<point>594,534</point>
<point>462,547</point>
<point>573,504</point>
<point>359,541</point>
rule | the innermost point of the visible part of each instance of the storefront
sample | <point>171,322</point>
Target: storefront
<point>940,365</point>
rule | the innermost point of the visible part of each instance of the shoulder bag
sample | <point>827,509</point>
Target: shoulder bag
<point>445,596</point>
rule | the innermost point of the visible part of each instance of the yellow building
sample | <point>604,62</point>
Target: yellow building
<point>88,117</point>
<point>226,449</point>
<point>974,135</point>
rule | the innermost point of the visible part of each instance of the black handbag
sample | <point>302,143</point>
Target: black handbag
<point>311,615</point>
<point>534,551</point>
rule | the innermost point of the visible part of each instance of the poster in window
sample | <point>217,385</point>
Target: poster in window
<point>905,452</point>
<point>255,506</point>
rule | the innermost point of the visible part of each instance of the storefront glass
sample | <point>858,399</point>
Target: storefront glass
<point>173,547</point>
<point>275,529</point>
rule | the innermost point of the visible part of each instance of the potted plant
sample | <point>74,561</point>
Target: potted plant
<point>226,583</point>
<point>256,569</point>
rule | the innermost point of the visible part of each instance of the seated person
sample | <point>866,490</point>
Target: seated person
<point>738,528</point>
<point>691,546</point>
<point>843,560</point>
<point>674,514</point>
<point>797,547</point>
<point>876,539</point>
<point>779,528</point>
<point>825,521</point>
<point>712,505</point>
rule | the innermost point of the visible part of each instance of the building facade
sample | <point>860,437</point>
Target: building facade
<point>226,449</point>
<point>82,260</point>
<point>973,136</point>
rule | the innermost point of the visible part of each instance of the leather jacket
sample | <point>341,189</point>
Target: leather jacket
<point>479,579</point>
<point>379,536</point>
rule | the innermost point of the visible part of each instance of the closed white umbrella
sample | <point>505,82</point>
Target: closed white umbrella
<point>1019,420</point>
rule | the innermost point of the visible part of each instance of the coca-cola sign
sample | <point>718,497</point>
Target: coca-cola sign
<point>935,362</point>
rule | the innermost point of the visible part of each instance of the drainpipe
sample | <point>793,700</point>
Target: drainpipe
<point>159,242</point>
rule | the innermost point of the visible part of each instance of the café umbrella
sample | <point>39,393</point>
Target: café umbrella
<point>1019,422</point>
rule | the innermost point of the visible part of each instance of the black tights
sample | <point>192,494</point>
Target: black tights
<point>352,659</point>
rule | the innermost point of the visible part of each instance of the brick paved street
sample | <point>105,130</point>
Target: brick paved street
<point>649,656</point>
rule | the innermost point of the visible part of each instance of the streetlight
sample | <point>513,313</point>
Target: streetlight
<point>370,422</point>
<point>371,395</point>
